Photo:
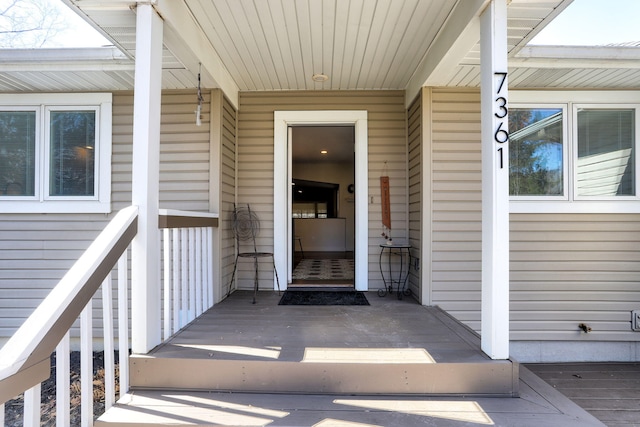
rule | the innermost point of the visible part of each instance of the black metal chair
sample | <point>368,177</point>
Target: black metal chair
<point>246,226</point>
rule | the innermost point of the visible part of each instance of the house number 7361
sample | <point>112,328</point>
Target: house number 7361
<point>501,134</point>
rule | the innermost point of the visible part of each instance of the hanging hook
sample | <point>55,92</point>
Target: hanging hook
<point>200,98</point>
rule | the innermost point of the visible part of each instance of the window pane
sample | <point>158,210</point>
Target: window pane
<point>535,152</point>
<point>606,144</point>
<point>17,153</point>
<point>72,162</point>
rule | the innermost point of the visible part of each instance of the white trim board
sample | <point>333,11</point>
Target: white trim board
<point>282,183</point>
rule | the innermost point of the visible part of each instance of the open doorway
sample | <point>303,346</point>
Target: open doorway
<point>323,206</point>
<point>283,123</point>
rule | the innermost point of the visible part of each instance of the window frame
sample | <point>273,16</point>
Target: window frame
<point>573,100</point>
<point>43,105</point>
<point>565,153</point>
<point>590,106</point>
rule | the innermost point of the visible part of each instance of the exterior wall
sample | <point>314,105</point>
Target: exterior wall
<point>227,191</point>
<point>566,269</point>
<point>387,143</point>
<point>416,181</point>
<point>36,250</point>
<point>456,203</point>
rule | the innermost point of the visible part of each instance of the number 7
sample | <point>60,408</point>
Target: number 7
<point>504,78</point>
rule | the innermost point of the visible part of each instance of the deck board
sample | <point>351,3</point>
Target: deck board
<point>609,391</point>
<point>538,405</point>
<point>386,323</point>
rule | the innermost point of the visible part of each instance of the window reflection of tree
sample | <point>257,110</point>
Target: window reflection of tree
<point>535,152</point>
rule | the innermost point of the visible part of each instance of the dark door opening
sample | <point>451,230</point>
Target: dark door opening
<point>323,206</point>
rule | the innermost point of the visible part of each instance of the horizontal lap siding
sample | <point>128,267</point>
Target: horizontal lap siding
<point>228,190</point>
<point>571,269</point>
<point>415,141</point>
<point>565,269</point>
<point>456,204</point>
<point>36,250</point>
<point>387,143</point>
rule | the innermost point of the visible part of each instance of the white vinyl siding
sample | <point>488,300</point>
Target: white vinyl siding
<point>37,250</point>
<point>570,269</point>
<point>387,143</point>
<point>416,181</point>
<point>456,203</point>
<point>565,269</point>
<point>227,190</point>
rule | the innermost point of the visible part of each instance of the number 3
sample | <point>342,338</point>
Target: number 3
<point>503,107</point>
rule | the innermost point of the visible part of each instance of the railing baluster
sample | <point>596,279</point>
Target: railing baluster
<point>198,271</point>
<point>209,264</point>
<point>175,309</point>
<point>192,275</point>
<point>123,322</point>
<point>86,366</point>
<point>32,406</point>
<point>184,258</point>
<point>107,324</point>
<point>205,269</point>
<point>166,244</point>
<point>63,375</point>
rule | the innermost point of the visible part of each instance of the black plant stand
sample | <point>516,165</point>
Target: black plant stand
<point>403,251</point>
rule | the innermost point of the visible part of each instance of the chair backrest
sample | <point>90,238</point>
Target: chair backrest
<point>245,225</point>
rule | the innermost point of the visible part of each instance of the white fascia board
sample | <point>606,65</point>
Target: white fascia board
<point>187,41</point>
<point>65,59</point>
<point>577,57</point>
<point>459,34</point>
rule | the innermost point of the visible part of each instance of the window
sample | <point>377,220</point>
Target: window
<point>536,152</point>
<point>578,154</point>
<point>55,153</point>
<point>606,152</point>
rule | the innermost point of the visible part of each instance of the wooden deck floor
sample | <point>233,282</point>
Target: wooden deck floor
<point>235,329</point>
<point>609,391</point>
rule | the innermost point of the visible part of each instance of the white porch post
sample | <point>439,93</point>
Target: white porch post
<point>145,256</point>
<point>495,181</point>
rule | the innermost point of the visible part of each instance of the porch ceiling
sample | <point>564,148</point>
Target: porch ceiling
<point>250,45</point>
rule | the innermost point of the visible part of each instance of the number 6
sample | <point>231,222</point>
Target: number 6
<point>501,136</point>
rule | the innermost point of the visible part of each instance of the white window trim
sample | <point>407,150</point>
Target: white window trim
<point>590,99</point>
<point>42,104</point>
<point>565,156</point>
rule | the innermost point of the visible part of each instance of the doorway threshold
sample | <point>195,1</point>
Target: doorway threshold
<point>323,285</point>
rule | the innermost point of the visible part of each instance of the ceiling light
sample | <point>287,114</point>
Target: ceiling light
<point>319,78</point>
<point>324,152</point>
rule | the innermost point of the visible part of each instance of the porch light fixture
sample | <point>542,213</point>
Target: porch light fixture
<point>200,99</point>
<point>319,77</point>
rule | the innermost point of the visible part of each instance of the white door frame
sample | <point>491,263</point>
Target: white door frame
<point>282,247</point>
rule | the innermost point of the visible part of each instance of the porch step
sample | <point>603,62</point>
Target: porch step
<point>388,347</point>
<point>395,371</point>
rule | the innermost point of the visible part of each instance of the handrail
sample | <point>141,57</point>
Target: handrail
<point>171,218</point>
<point>25,358</point>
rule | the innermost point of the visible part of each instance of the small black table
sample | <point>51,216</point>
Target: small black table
<point>401,250</point>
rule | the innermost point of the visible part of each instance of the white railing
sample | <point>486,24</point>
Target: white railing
<point>188,291</point>
<point>25,358</point>
<point>187,262</point>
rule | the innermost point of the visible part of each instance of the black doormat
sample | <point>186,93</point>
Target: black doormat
<point>323,298</point>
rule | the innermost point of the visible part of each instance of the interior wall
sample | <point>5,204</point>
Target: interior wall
<point>334,173</point>
<point>386,144</point>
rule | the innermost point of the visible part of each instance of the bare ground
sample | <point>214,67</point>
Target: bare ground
<point>14,409</point>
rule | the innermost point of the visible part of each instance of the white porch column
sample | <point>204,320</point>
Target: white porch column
<point>495,181</point>
<point>145,257</point>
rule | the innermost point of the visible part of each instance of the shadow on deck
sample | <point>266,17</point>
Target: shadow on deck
<point>390,346</point>
<point>393,363</point>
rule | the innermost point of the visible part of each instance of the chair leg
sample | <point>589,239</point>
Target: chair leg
<point>233,275</point>
<point>276,272</point>
<point>255,280</point>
